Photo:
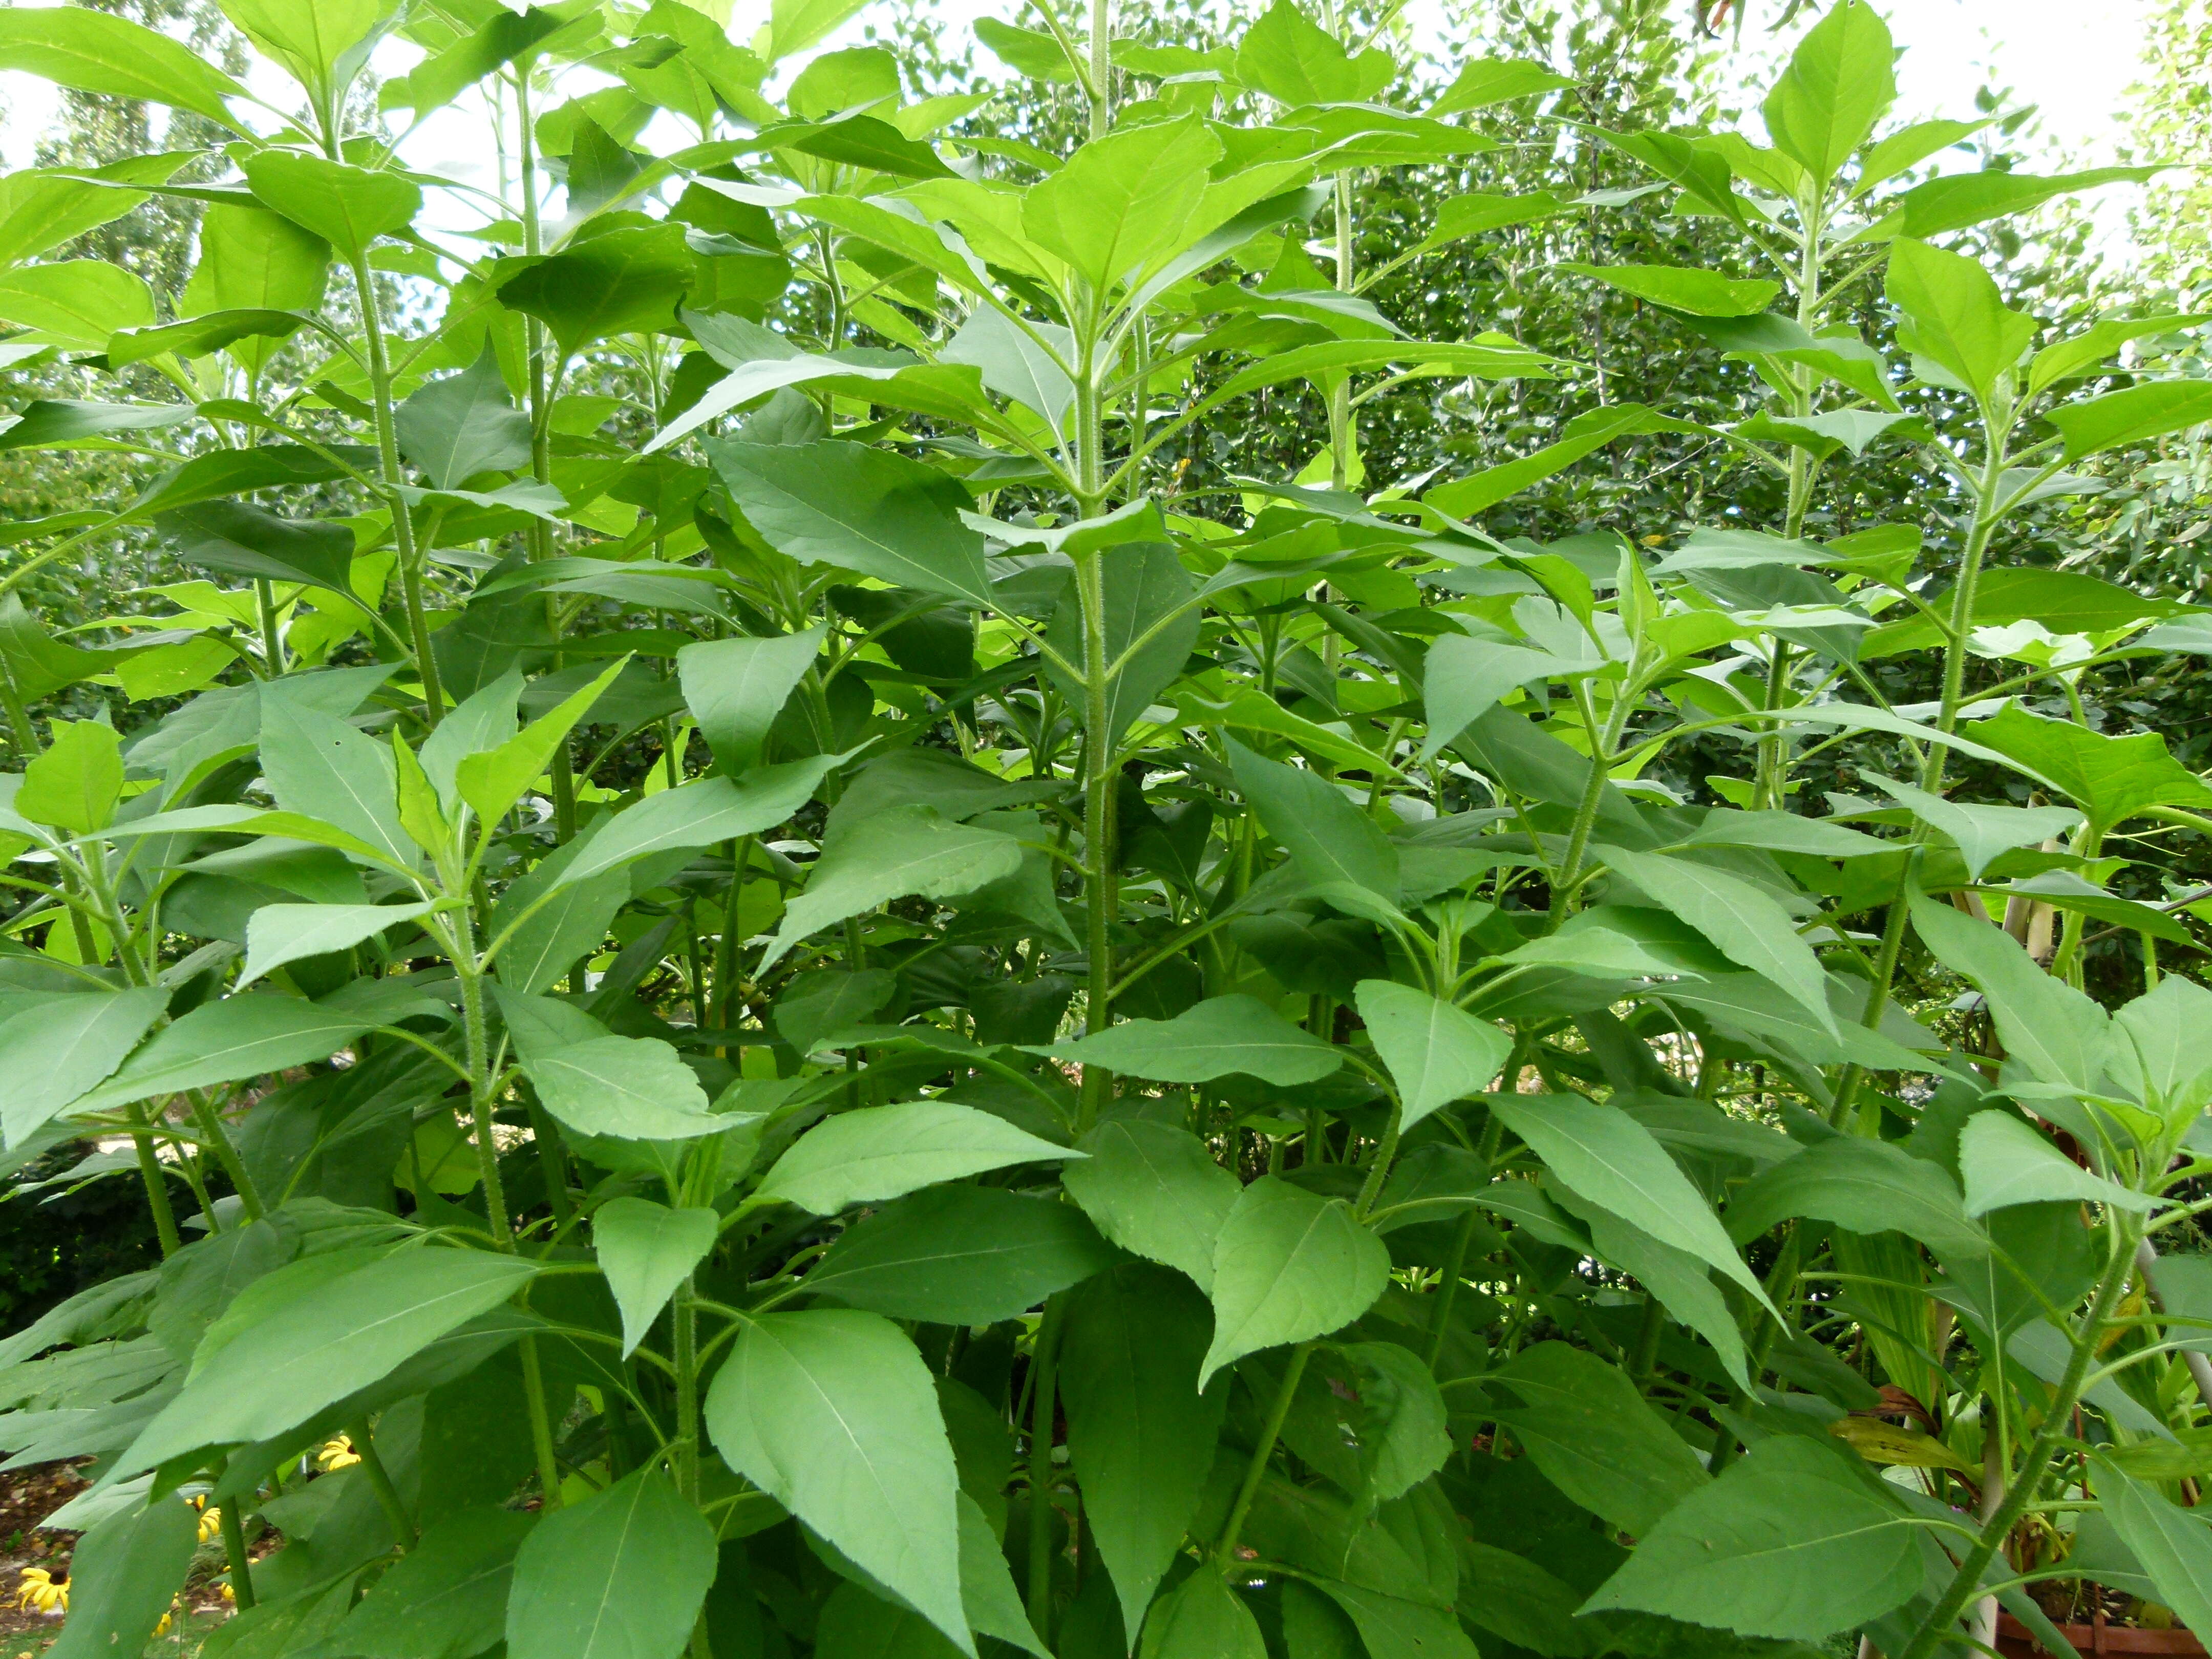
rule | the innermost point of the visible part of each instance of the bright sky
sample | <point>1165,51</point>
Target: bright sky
<point>2073,58</point>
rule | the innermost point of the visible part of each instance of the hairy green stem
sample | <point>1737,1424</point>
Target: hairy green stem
<point>402,518</point>
<point>379,1480</point>
<point>2057,1419</point>
<point>233,1549</point>
<point>1225,1548</point>
<point>541,1426</point>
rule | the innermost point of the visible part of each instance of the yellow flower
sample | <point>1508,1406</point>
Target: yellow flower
<point>211,1523</point>
<point>39,1590</point>
<point>336,1454</point>
<point>228,1594</point>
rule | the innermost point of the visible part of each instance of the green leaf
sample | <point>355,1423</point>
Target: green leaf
<point>122,1576</point>
<point>1483,82</point>
<point>2162,1053</point>
<point>2044,1023</point>
<point>859,141</point>
<point>1867,1186</point>
<point>1294,61</point>
<point>1123,200</point>
<point>1392,1627</point>
<point>1981,832</point>
<point>2004,1161</point>
<point>907,850</point>
<point>1327,837</point>
<point>2080,353</point>
<point>1026,51</point>
<point>201,336</point>
<point>1288,1266</point>
<point>1955,315</point>
<point>1140,1435</point>
<point>1751,929</point>
<point>75,784</point>
<point>244,541</point>
<point>1436,1054</point>
<point>737,687</point>
<point>334,1339</point>
<point>464,425</point>
<point>349,207</point>
<point>1789,1543</point>
<point>1681,1284</point>
<point>1145,592</point>
<point>58,1048</point>
<point>1202,1618</point>
<point>2173,1545</point>
<point>48,422</point>
<point>1839,82</point>
<point>622,1575</point>
<point>97,52</point>
<point>646,1251</point>
<point>869,510</point>
<point>1783,832</point>
<point>1464,678</point>
<point>319,767</point>
<point>320,43</point>
<point>633,1088</point>
<point>621,281</point>
<point>834,1415</point>
<point>1700,293</point>
<point>252,259</point>
<point>1155,1190</point>
<point>960,1255</point>
<point>278,934</point>
<point>1208,1040</point>
<point>493,781</point>
<point>446,1598</point>
<point>1014,361</point>
<point>1960,199</point>
<point>1591,430</point>
<point>881,1152</point>
<point>2109,778</point>
<point>42,207</point>
<point>1588,1429</point>
<point>1613,1162</point>
<point>80,302</point>
<point>700,814</point>
<point>986,1580</point>
<point>2132,417</point>
<point>223,1041</point>
<point>444,76</point>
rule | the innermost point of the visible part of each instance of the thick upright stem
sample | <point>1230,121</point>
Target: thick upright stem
<point>379,1480</point>
<point>403,520</point>
<point>541,390</point>
<point>1944,1618</point>
<point>685,1316</point>
<point>1225,1548</point>
<point>1962,604</point>
<point>477,1037</point>
<point>233,1549</point>
<point>1102,67</point>
<point>541,1426</point>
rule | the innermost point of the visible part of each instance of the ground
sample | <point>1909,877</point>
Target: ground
<point>27,1497</point>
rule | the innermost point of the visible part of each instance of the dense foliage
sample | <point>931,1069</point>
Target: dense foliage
<point>833,986</point>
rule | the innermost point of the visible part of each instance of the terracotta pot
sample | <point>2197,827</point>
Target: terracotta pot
<point>2014,1641</point>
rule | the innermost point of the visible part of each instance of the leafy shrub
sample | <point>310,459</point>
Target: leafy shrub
<point>794,1004</point>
